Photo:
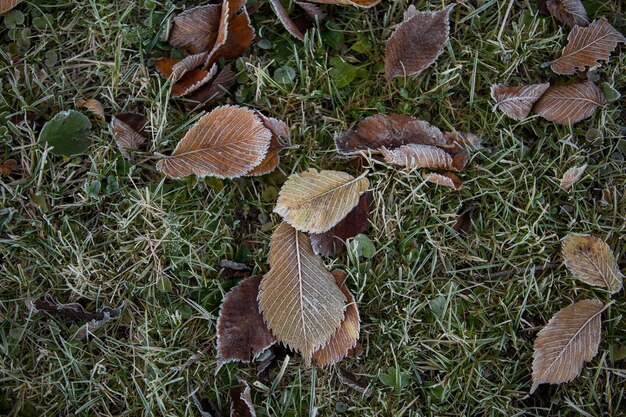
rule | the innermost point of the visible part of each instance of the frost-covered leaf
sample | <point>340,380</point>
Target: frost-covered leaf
<point>299,299</point>
<point>570,339</point>
<point>417,42</point>
<point>241,332</point>
<point>279,130</point>
<point>285,20</point>
<point>314,202</point>
<point>210,93</point>
<point>587,46</point>
<point>446,179</point>
<point>570,12</point>
<point>196,29</point>
<point>241,401</point>
<point>572,176</point>
<point>93,105</point>
<point>6,5</point>
<point>591,260</point>
<point>226,143</point>
<point>235,32</point>
<point>517,102</point>
<point>419,156</point>
<point>569,104</point>
<point>129,130</point>
<point>185,74</point>
<point>67,133</point>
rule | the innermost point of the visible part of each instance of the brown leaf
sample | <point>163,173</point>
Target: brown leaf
<point>570,12</point>
<point>241,331</point>
<point>345,338</point>
<point>7,167</point>
<point>333,241</point>
<point>569,104</point>
<point>285,20</point>
<point>467,141</point>
<point>313,10</point>
<point>196,29</point>
<point>587,46</point>
<point>93,105</point>
<point>129,130</point>
<point>358,3</point>
<point>298,298</point>
<point>230,270</point>
<point>419,156</point>
<point>205,407</point>
<point>572,176</point>
<point>212,92</point>
<point>591,260</point>
<point>446,179</point>
<point>517,102</point>
<point>570,339</point>
<point>6,5</point>
<point>272,159</point>
<point>463,222</point>
<point>235,33</point>
<point>417,42</point>
<point>185,75</point>
<point>241,401</point>
<point>351,380</point>
<point>226,143</point>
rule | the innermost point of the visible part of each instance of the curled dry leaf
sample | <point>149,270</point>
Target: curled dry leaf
<point>93,105</point>
<point>235,32</point>
<point>6,5</point>
<point>184,73</point>
<point>279,130</point>
<point>195,30</point>
<point>241,332</point>
<point>345,338</point>
<point>591,260</point>
<point>517,102</point>
<point>419,156</point>
<point>241,401</point>
<point>569,104</point>
<point>226,143</point>
<point>417,42</point>
<point>333,241</point>
<point>90,328</point>
<point>587,46</point>
<point>314,202</point>
<point>570,339</point>
<point>209,94</point>
<point>446,179</point>
<point>129,130</point>
<point>467,141</point>
<point>572,176</point>
<point>285,20</point>
<point>570,12</point>
<point>359,3</point>
<point>299,299</point>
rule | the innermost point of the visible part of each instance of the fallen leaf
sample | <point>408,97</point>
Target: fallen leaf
<point>67,133</point>
<point>279,130</point>
<point>417,42</point>
<point>587,46</point>
<point>591,260</point>
<point>226,143</point>
<point>7,167</point>
<point>313,10</point>
<point>463,222</point>
<point>205,407</point>
<point>241,401</point>
<point>129,130</point>
<point>419,156</point>
<point>209,94</point>
<point>90,328</point>
<point>467,141</point>
<point>235,32</point>
<point>446,179</point>
<point>359,3</point>
<point>6,5</point>
<point>572,176</point>
<point>93,105</point>
<point>195,29</point>
<point>570,12</point>
<point>299,299</point>
<point>569,104</point>
<point>570,339</point>
<point>517,102</point>
<point>187,64</point>
<point>345,338</point>
<point>185,74</point>
<point>351,380</point>
<point>230,270</point>
<point>283,16</point>
<point>241,332</point>
<point>314,202</point>
<point>333,241</point>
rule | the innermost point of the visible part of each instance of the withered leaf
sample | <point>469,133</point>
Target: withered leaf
<point>570,12</point>
<point>314,202</point>
<point>230,270</point>
<point>333,241</point>
<point>417,42</point>
<point>352,381</point>
<point>570,339</point>
<point>517,102</point>
<point>90,328</point>
<point>241,401</point>
<point>196,29</point>
<point>572,176</point>
<point>279,130</point>
<point>6,5</point>
<point>184,74</point>
<point>591,260</point>
<point>569,104</point>
<point>467,141</point>
<point>129,130</point>
<point>587,46</point>
<point>209,94</point>
<point>313,10</point>
<point>345,338</point>
<point>299,299</point>
<point>7,167</point>
<point>283,16</point>
<point>241,332</point>
<point>359,3</point>
<point>93,105</point>
<point>235,32</point>
<point>446,179</point>
<point>226,143</point>
<point>419,156</point>
<point>388,131</point>
<point>205,407</point>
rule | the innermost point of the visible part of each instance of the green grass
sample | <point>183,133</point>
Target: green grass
<point>456,315</point>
